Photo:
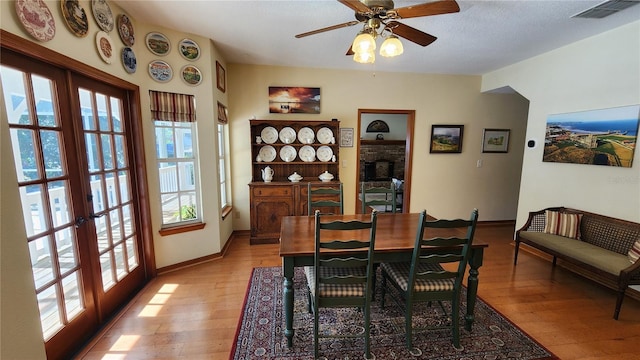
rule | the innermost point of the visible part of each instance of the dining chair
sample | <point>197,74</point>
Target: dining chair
<point>435,272</point>
<point>324,197</point>
<point>379,196</point>
<point>342,273</point>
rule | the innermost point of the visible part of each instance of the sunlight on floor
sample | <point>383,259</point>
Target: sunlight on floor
<point>158,300</point>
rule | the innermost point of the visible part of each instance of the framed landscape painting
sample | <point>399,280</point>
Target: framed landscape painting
<point>495,140</point>
<point>595,137</point>
<point>294,100</point>
<point>446,138</point>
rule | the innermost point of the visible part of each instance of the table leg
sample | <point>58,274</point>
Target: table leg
<point>472,285</point>
<point>287,292</point>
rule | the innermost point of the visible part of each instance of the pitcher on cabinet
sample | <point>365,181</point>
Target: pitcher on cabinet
<point>267,174</point>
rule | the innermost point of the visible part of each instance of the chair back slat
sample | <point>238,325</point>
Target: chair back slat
<point>449,241</point>
<point>325,201</point>
<point>389,200</point>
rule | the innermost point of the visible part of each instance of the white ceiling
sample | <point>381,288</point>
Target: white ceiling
<point>485,35</point>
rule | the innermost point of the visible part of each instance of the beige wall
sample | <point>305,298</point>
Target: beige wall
<point>447,185</point>
<point>596,73</point>
<point>21,335</point>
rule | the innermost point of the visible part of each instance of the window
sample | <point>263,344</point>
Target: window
<point>225,201</point>
<point>176,153</point>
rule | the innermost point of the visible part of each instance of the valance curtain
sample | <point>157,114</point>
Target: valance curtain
<point>172,107</point>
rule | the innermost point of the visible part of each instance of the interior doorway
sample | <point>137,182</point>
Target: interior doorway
<point>384,146</point>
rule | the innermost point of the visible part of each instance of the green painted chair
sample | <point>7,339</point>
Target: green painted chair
<point>424,278</point>
<point>339,280</point>
<point>323,198</point>
<point>380,196</point>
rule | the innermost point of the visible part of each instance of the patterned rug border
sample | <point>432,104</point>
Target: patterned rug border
<point>243,314</point>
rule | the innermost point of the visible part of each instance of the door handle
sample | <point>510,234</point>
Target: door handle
<point>94,216</point>
<point>80,220</point>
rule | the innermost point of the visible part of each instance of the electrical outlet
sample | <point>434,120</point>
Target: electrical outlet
<point>344,163</point>
<point>479,163</point>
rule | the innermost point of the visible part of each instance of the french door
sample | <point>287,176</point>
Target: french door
<point>71,139</point>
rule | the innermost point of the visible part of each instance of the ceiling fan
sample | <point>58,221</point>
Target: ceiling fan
<point>379,16</point>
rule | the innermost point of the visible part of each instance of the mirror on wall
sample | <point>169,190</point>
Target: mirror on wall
<point>385,139</point>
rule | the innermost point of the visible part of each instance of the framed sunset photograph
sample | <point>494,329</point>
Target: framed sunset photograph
<point>294,100</point>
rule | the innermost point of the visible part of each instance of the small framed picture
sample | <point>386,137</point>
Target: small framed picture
<point>346,137</point>
<point>446,138</point>
<point>495,140</point>
<point>221,80</point>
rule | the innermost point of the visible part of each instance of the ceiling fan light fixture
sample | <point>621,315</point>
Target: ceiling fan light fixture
<point>366,57</point>
<point>364,42</point>
<point>391,47</point>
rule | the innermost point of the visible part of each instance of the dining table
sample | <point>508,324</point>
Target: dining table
<point>394,242</point>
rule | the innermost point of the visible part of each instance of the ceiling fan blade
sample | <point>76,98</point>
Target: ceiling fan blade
<point>350,51</point>
<point>432,8</point>
<point>355,5</point>
<point>328,28</point>
<point>411,34</point>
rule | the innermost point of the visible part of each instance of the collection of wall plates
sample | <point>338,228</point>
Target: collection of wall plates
<point>38,21</point>
<point>159,70</point>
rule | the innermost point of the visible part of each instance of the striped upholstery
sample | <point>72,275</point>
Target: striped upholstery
<point>563,224</point>
<point>399,272</point>
<point>335,290</point>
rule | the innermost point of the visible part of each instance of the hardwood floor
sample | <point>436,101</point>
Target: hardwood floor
<point>192,313</point>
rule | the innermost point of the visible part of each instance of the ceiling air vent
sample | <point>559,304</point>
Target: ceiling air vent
<point>606,8</point>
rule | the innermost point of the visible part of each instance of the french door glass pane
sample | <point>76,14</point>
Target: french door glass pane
<point>107,152</point>
<point>72,296</point>
<point>25,154</point>
<point>50,312</point>
<point>106,266</point>
<point>41,263</point>
<point>123,180</point>
<point>58,197</point>
<point>93,154</point>
<point>45,108</point>
<point>32,197</point>
<point>97,192</point>
<point>102,233</point>
<point>67,257</point>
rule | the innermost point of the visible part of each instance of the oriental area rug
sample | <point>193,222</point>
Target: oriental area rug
<point>261,326</point>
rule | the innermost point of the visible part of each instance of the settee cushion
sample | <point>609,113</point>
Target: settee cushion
<point>563,224</point>
<point>590,254</point>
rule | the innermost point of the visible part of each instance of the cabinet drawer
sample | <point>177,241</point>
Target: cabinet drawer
<point>272,191</point>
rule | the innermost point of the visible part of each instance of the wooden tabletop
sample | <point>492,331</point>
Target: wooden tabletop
<point>394,232</point>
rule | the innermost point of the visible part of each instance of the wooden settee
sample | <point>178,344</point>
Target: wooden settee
<point>601,248</point>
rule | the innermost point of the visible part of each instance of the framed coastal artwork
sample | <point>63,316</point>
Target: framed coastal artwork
<point>594,137</point>
<point>294,100</point>
<point>446,139</point>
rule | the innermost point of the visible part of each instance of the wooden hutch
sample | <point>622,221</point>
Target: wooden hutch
<point>308,148</point>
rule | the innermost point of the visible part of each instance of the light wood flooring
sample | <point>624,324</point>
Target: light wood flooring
<point>192,313</point>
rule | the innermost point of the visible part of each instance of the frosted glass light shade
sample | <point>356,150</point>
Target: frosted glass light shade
<point>363,42</point>
<point>391,47</point>
<point>368,57</point>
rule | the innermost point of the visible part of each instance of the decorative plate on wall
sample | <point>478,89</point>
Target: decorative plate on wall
<point>160,71</point>
<point>36,18</point>
<point>75,17</point>
<point>129,60</point>
<point>189,49</point>
<point>105,46</point>
<point>125,29</point>
<point>158,43</point>
<point>103,15</point>
<point>191,75</point>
